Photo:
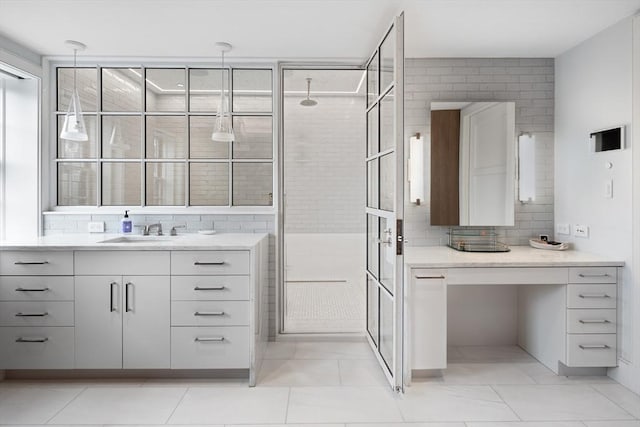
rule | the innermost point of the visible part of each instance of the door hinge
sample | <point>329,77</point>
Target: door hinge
<point>400,237</point>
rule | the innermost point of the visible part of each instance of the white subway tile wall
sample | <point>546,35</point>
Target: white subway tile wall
<point>529,82</point>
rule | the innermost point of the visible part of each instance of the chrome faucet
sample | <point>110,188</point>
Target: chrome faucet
<point>147,229</point>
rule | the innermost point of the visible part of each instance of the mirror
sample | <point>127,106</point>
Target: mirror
<point>473,163</point>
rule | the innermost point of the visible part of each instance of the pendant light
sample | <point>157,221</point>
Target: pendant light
<point>223,128</point>
<point>74,128</point>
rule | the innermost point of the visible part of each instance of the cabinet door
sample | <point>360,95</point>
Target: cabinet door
<point>428,319</point>
<point>146,315</point>
<point>98,320</point>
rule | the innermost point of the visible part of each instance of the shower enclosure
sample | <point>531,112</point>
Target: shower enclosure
<point>324,199</point>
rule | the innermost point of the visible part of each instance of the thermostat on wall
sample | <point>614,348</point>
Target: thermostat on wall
<point>607,139</point>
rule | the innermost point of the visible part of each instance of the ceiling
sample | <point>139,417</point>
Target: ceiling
<point>307,29</point>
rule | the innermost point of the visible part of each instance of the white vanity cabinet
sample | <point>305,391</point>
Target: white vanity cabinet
<point>122,321</point>
<point>36,310</point>
<point>566,304</point>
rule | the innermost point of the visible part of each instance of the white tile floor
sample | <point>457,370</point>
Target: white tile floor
<point>330,384</point>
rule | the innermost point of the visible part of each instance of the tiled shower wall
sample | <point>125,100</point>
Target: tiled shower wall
<point>529,82</point>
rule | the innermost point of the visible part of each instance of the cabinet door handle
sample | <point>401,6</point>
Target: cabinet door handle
<point>127,298</point>
<point>594,275</point>
<point>32,289</point>
<point>586,322</point>
<point>209,339</point>
<point>32,340</point>
<point>594,296</point>
<point>113,305</point>
<point>209,288</point>
<point>209,263</point>
<point>32,314</point>
<point>594,346</point>
<point>31,262</point>
<point>209,313</point>
<point>429,277</point>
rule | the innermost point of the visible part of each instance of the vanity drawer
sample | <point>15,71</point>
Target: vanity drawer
<point>209,313</point>
<point>36,348</point>
<point>122,263</point>
<point>36,288</point>
<point>210,347</point>
<point>591,350</point>
<point>36,313</point>
<point>36,263</point>
<point>506,276</point>
<point>593,275</point>
<point>210,288</point>
<point>591,321</point>
<point>209,262</point>
<point>591,296</point>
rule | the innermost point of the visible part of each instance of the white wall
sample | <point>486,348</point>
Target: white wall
<point>593,91</point>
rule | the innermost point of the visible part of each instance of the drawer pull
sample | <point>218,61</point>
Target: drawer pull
<point>594,346</point>
<point>209,339</point>
<point>31,262</point>
<point>594,275</point>
<point>209,263</point>
<point>209,313</point>
<point>585,322</point>
<point>594,296</point>
<point>429,277</point>
<point>32,340</point>
<point>32,289</point>
<point>209,288</point>
<point>32,314</point>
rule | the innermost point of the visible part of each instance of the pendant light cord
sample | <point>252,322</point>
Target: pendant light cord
<point>75,70</point>
<point>222,87</point>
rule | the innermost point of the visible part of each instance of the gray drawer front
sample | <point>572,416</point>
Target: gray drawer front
<point>36,313</point>
<point>210,347</point>
<point>36,288</point>
<point>593,275</point>
<point>210,288</point>
<point>210,313</point>
<point>209,262</point>
<point>36,263</point>
<point>36,348</point>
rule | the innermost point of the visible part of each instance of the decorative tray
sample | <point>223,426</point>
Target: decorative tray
<point>550,246</point>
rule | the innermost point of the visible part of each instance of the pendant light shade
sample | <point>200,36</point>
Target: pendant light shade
<point>223,127</point>
<point>73,128</point>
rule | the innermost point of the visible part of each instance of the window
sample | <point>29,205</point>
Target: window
<point>150,138</point>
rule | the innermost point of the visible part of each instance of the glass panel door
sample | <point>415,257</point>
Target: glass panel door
<point>385,193</point>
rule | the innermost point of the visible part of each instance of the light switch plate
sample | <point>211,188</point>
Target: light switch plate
<point>563,229</point>
<point>581,230</point>
<point>96,227</point>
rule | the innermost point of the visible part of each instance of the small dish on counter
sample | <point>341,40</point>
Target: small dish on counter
<point>207,232</point>
<point>551,246</point>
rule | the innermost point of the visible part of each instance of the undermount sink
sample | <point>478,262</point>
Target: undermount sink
<point>137,239</point>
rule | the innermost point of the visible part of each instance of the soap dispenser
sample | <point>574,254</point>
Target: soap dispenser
<point>127,225</point>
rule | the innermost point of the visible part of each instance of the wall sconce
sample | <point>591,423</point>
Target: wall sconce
<point>416,169</point>
<point>526,167</point>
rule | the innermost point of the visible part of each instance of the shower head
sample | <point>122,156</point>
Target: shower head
<point>308,102</point>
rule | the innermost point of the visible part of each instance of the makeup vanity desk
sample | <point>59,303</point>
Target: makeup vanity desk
<point>567,303</point>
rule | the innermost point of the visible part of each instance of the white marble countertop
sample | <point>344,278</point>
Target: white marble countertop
<point>69,242</point>
<point>519,256</point>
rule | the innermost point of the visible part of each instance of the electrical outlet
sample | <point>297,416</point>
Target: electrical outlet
<point>563,229</point>
<point>581,231</point>
<point>96,227</point>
